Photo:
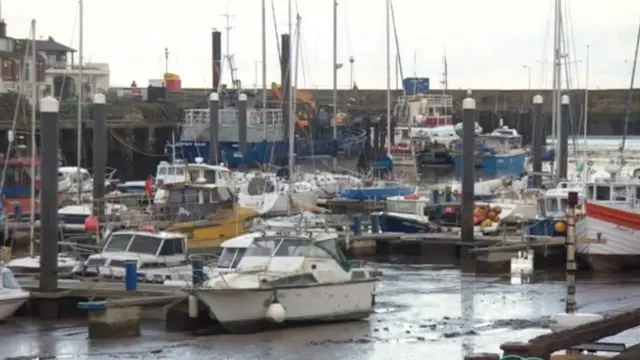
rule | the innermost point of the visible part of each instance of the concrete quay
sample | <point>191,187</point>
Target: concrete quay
<point>113,309</point>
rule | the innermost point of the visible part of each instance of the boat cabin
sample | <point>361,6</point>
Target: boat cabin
<point>150,249</point>
<point>233,250</point>
<point>182,172</point>
<point>425,110</point>
<point>554,202</point>
<point>615,193</point>
<point>500,141</point>
<point>288,252</point>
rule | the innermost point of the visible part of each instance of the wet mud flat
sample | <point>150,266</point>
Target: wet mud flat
<point>422,311</point>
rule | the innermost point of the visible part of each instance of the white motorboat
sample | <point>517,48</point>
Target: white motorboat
<point>12,296</point>
<point>159,256</point>
<point>284,279</point>
<point>72,217</point>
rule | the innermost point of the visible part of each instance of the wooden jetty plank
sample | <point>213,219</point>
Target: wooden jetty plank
<point>544,345</point>
<point>98,289</point>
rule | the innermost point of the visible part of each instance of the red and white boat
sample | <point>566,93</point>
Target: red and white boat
<point>612,215</point>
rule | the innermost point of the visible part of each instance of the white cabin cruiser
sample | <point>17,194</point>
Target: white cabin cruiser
<point>284,279</point>
<point>12,296</point>
<point>159,256</point>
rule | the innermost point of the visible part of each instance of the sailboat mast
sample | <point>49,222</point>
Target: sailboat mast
<point>630,94</point>
<point>34,99</point>
<point>80,96</point>
<point>557,78</point>
<point>388,27</point>
<point>263,114</point>
<point>586,107</point>
<point>335,83</point>
<point>291,119</point>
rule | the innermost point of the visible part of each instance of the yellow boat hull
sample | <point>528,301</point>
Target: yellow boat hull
<point>211,234</point>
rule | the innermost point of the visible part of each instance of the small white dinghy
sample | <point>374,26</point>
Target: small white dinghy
<point>11,294</point>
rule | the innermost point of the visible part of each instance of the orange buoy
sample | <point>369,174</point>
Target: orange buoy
<point>91,224</point>
<point>449,210</point>
<point>148,228</point>
<point>412,197</point>
<point>560,226</point>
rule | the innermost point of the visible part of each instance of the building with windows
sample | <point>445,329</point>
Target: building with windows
<point>57,73</point>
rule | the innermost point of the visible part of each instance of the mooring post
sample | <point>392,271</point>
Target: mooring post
<point>214,129</point>
<point>537,140</point>
<point>197,270</point>
<point>131,275</point>
<point>49,108</point>
<point>17,211</point>
<point>435,196</point>
<point>570,306</point>
<point>565,121</point>
<point>375,223</point>
<point>468,168</point>
<point>242,129</point>
<point>356,227</point>
<point>99,155</point>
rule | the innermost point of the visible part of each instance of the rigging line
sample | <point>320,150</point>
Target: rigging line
<point>576,124</point>
<point>73,38</point>
<point>303,62</point>
<point>23,73</point>
<point>275,26</point>
<point>395,35</point>
<point>630,94</point>
<point>567,60</point>
<point>545,46</point>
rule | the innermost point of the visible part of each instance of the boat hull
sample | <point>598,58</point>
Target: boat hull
<point>274,152</point>
<point>511,164</point>
<point>376,193</point>
<point>397,223</point>
<point>242,311</point>
<point>620,231</point>
<point>10,304</point>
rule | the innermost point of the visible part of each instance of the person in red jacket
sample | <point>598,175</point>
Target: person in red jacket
<point>148,187</point>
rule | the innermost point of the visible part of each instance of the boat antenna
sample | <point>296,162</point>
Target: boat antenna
<point>630,94</point>
<point>228,55</point>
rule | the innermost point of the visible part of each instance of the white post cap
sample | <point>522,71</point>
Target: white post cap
<point>99,99</point>
<point>469,103</point>
<point>214,96</point>
<point>242,97</point>
<point>565,99</point>
<point>49,104</point>
<point>537,99</point>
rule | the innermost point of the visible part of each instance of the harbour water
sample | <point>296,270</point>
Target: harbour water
<point>422,311</point>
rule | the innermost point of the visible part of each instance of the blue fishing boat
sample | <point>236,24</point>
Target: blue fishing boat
<point>379,190</point>
<point>266,142</point>
<point>403,223</point>
<point>499,153</point>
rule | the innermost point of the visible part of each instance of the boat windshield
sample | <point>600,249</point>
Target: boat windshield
<point>263,247</point>
<point>117,242</point>
<point>230,258</point>
<point>9,281</point>
<point>555,205</point>
<point>136,243</point>
<point>294,247</point>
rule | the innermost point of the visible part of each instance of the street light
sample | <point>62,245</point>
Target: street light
<point>351,61</point>
<point>528,67</point>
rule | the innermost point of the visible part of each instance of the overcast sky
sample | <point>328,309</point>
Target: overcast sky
<point>488,43</point>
